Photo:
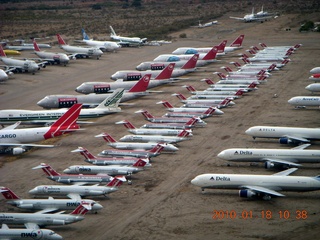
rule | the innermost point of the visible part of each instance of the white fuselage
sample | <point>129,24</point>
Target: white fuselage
<point>25,135</point>
<point>60,58</point>
<point>140,146</point>
<point>3,75</point>
<point>304,101</point>
<point>152,138</point>
<point>314,87</point>
<point>103,45</point>
<point>29,234</point>
<point>92,51</point>
<point>155,131</point>
<point>110,170</point>
<point>24,65</point>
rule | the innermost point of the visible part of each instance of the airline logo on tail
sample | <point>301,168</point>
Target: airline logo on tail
<point>8,194</point>
<point>84,35</point>
<point>237,42</point>
<point>114,99</point>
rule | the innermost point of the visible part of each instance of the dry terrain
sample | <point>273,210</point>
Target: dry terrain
<point>161,203</point>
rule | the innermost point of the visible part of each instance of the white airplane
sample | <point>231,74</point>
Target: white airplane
<point>286,135</point>
<point>208,24</point>
<point>272,158</point>
<point>18,141</point>
<point>151,65</point>
<point>267,58</point>
<point>135,145</point>
<point>92,100</point>
<point>151,131</point>
<point>44,117</point>
<point>190,124</point>
<point>3,75</point>
<point>79,52</point>
<point>34,220</point>
<point>204,114</point>
<point>190,50</point>
<point>303,101</point>
<point>129,75</point>
<point>50,57</point>
<point>127,41</point>
<point>46,205</point>
<point>106,46</point>
<point>251,17</point>
<point>206,94</point>
<point>258,186</point>
<point>17,65</point>
<point>163,77</point>
<point>74,191</point>
<point>315,70</point>
<point>314,87</point>
<point>7,233</point>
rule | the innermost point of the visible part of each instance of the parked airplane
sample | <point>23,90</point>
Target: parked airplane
<point>286,135</point>
<point>190,50</point>
<point>73,178</point>
<point>50,57</point>
<point>11,52</point>
<point>3,75</point>
<point>251,17</point>
<point>190,124</point>
<point>34,220</point>
<point>163,77</point>
<point>315,70</point>
<point>314,87</point>
<point>18,141</point>
<point>42,117</point>
<point>135,145</point>
<point>46,205</point>
<point>79,52</point>
<point>129,75</point>
<point>7,233</point>
<point>303,101</point>
<point>78,191</point>
<point>127,41</point>
<point>17,65</point>
<point>208,24</point>
<point>92,100</point>
<point>258,186</point>
<point>205,94</point>
<point>272,158</point>
<point>102,45</point>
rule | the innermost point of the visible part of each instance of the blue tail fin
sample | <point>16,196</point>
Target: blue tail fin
<point>84,35</point>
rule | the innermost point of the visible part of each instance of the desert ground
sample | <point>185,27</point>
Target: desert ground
<point>161,203</point>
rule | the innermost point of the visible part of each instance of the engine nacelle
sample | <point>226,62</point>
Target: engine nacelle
<point>18,150</point>
<point>58,222</point>
<point>268,165</point>
<point>285,140</point>
<point>245,193</point>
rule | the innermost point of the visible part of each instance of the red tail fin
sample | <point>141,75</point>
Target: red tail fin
<point>221,75</point>
<point>251,52</point>
<point>84,152</point>
<point>116,182</point>
<point>180,96</point>
<point>166,104</point>
<point>139,163</point>
<point>225,102</point>
<point>211,55</point>
<point>238,41</point>
<point>239,92</point>
<point>190,88</point>
<point>192,121</point>
<point>166,72</point>
<point>60,40</point>
<point>245,60</point>
<point>35,45</point>
<point>82,209</point>
<point>157,149</point>
<point>8,194</point>
<point>191,63</point>
<point>2,53</point>
<point>66,122</point>
<point>236,64</point>
<point>261,72</point>
<point>142,84</point>
<point>47,169</point>
<point>261,78</point>
<point>221,46</point>
<point>252,85</point>
<point>245,55</point>
<point>210,110</point>
<point>228,69</point>
<point>256,49</point>
<point>107,137</point>
<point>208,81</point>
<point>263,45</point>
<point>146,114</point>
<point>272,67</point>
<point>184,133</point>
<point>127,124</point>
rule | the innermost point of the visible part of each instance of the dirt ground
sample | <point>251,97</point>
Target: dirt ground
<point>162,203</point>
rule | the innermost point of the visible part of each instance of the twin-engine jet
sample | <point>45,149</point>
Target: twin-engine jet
<point>304,101</point>
<point>127,41</point>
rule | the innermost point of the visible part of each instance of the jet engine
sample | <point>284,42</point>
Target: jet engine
<point>18,150</point>
<point>58,222</point>
<point>285,140</point>
<point>245,193</point>
<point>268,165</point>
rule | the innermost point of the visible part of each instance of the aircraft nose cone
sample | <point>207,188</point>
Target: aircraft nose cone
<point>42,103</point>
<point>291,101</point>
<point>309,87</point>
<point>81,88</point>
<point>248,131</point>
<point>218,112</point>
<point>55,236</point>
<point>97,206</point>
<point>195,181</point>
<point>33,191</point>
<point>114,77</point>
<point>67,170</point>
<point>140,67</point>
<point>221,155</point>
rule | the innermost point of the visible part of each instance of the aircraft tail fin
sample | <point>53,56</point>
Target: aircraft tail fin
<point>221,46</point>
<point>251,51</point>
<point>60,40</point>
<point>228,69</point>
<point>191,63</point>
<point>208,81</point>
<point>166,104</point>
<point>8,193</point>
<point>211,55</point>
<point>107,137</point>
<point>113,33</point>
<point>157,149</point>
<point>2,53</point>
<point>127,124</point>
<point>142,84</point>
<point>237,64</point>
<point>239,92</point>
<point>184,133</point>
<point>192,121</point>
<point>147,115</point>
<point>166,72</point>
<point>47,169</point>
<point>238,41</point>
<point>82,209</point>
<point>139,163</point>
<point>117,181</point>
<point>221,75</point>
<point>35,45</point>
<point>180,96</point>
<point>210,111</point>
<point>84,152</point>
<point>252,85</point>
<point>113,100</point>
<point>190,88</point>
<point>84,35</point>
<point>256,49</point>
<point>261,72</point>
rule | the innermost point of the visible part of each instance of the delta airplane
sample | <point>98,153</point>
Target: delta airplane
<point>303,101</point>
<point>102,45</point>
<point>42,117</point>
<point>27,233</point>
<point>272,158</point>
<point>135,145</point>
<point>17,65</point>
<point>102,161</point>
<point>151,131</point>
<point>50,57</point>
<point>92,100</point>
<point>286,135</point>
<point>163,77</point>
<point>314,87</point>
<point>73,178</point>
<point>34,220</point>
<point>258,186</point>
<point>127,41</point>
<point>79,52</point>
<point>18,141</point>
<point>129,75</point>
<point>79,191</point>
<point>46,205</point>
<point>251,17</point>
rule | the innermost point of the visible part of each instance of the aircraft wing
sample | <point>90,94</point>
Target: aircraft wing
<point>301,147</point>
<point>47,210</point>
<point>24,145</point>
<point>263,190</point>
<point>301,139</point>
<point>11,127</point>
<point>32,226</point>
<point>281,161</point>
<point>286,172</point>
<point>79,183</point>
<point>238,18</point>
<point>74,196</point>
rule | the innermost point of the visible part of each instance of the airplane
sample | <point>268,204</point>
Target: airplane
<point>205,94</point>
<point>151,131</point>
<point>50,57</point>
<point>151,65</point>
<point>235,76</point>
<point>17,65</point>
<point>190,50</point>
<point>314,87</point>
<point>108,106</point>
<point>46,205</point>
<point>163,77</point>
<point>34,220</point>
<point>257,66</point>
<point>263,13</point>
<point>208,24</point>
<point>251,17</point>
<point>190,124</point>
<point>92,100</point>
<point>272,58</point>
<point>74,191</point>
<point>79,52</point>
<point>3,75</point>
<point>27,233</point>
<point>272,158</point>
<point>134,153</point>
<point>129,75</point>
<point>209,112</point>
<point>73,178</point>
<point>315,70</point>
<point>303,101</point>
<point>17,141</point>
<point>257,63</point>
<point>286,135</point>
<point>135,145</point>
<point>102,45</point>
<point>315,77</point>
<point>11,52</point>
<point>258,186</point>
<point>126,41</point>
<point>231,87</point>
<point>101,161</point>
<point>23,46</point>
